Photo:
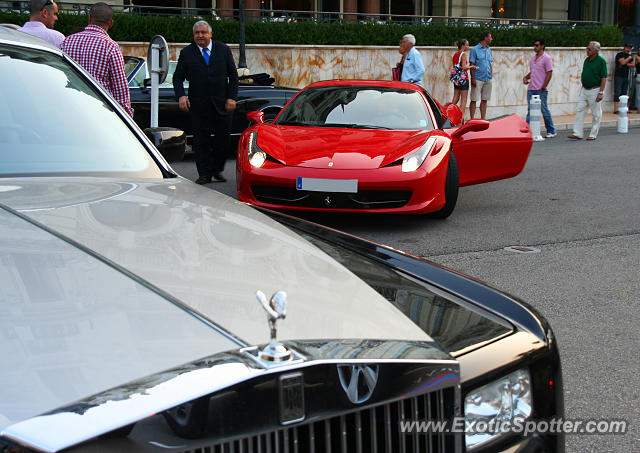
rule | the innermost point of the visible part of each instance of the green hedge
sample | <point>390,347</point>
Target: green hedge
<point>179,29</point>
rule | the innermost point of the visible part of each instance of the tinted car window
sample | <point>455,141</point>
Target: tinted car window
<point>130,64</point>
<point>140,75</point>
<point>52,121</point>
<point>143,73</point>
<point>358,106</point>
<point>435,109</point>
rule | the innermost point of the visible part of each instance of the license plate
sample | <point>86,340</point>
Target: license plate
<point>327,185</point>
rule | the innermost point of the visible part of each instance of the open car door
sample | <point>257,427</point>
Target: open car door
<point>490,150</point>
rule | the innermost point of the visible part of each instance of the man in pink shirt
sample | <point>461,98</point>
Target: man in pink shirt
<point>538,78</point>
<point>44,14</point>
<point>95,51</point>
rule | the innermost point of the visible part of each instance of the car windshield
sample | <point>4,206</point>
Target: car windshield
<point>364,107</point>
<point>53,122</point>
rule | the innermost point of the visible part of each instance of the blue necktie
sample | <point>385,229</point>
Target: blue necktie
<point>205,54</point>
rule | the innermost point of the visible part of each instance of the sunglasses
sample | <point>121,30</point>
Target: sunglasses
<point>47,3</point>
<point>536,45</point>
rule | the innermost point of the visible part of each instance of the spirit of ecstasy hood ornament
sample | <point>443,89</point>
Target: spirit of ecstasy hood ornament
<point>276,309</point>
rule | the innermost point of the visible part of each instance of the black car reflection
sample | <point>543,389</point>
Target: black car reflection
<point>255,92</point>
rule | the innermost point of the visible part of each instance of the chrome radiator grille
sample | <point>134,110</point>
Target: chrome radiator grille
<point>370,430</point>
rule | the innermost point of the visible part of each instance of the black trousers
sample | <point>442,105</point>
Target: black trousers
<point>210,153</point>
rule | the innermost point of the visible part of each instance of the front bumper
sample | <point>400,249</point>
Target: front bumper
<point>381,190</point>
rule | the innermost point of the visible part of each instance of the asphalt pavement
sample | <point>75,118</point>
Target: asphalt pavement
<point>576,205</point>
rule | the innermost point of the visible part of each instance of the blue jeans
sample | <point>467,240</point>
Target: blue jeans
<point>546,114</point>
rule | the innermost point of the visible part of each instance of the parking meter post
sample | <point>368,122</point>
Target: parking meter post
<point>623,119</point>
<point>535,112</point>
<point>155,82</point>
<point>158,65</point>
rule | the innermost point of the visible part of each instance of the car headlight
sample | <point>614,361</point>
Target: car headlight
<point>413,161</point>
<point>256,156</point>
<point>493,408</point>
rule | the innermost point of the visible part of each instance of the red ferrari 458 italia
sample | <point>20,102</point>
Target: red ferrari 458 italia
<point>373,146</point>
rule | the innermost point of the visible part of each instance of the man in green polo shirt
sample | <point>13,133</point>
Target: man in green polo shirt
<point>594,78</point>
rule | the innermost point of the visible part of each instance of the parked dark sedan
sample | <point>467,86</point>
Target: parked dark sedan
<point>255,92</point>
<point>134,315</point>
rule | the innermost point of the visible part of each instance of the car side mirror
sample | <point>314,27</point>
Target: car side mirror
<point>171,142</point>
<point>473,125</point>
<point>146,85</point>
<point>454,114</point>
<point>256,117</point>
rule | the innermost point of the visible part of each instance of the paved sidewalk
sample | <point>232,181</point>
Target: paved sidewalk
<point>565,122</point>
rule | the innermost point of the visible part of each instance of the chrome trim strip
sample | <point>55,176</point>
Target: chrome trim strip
<point>403,436</point>
<point>414,414</point>
<point>372,432</point>
<point>312,439</point>
<point>115,408</point>
<point>343,434</point>
<point>327,435</point>
<point>358,432</point>
<point>137,400</point>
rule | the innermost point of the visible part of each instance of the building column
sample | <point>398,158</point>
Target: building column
<point>252,4</point>
<point>225,5</point>
<point>371,7</point>
<point>350,6</point>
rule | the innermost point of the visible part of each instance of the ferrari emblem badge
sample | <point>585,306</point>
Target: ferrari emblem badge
<point>330,164</point>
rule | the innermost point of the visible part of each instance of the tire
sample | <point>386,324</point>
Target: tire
<point>450,189</point>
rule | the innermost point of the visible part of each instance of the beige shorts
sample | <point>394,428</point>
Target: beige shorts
<point>482,91</point>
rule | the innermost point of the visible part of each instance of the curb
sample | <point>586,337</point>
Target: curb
<point>633,122</point>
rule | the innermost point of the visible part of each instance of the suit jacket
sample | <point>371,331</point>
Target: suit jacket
<point>215,82</point>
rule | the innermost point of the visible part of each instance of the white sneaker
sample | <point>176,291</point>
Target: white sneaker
<point>551,135</point>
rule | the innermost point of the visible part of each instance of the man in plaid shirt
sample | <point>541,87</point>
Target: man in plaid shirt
<point>100,55</point>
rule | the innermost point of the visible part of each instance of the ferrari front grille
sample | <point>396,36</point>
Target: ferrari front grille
<point>364,199</point>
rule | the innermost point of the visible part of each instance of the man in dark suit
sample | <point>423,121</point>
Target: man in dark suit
<point>213,89</point>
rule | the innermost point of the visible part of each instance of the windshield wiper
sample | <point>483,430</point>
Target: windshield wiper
<point>292,123</point>
<point>353,126</point>
<point>371,126</point>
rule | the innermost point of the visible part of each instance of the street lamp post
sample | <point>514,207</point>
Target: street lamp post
<point>242,59</point>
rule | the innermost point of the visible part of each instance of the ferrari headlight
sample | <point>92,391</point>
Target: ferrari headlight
<point>256,156</point>
<point>497,407</point>
<point>413,161</point>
